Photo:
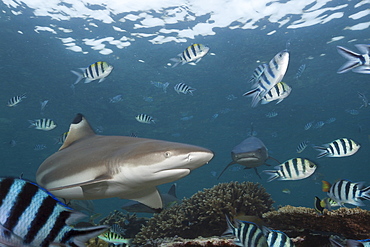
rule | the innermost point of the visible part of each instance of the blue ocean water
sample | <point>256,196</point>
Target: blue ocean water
<point>37,63</point>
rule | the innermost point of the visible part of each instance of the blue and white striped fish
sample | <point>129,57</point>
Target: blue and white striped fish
<point>96,71</point>
<point>341,147</point>
<point>359,63</point>
<point>143,118</point>
<point>183,88</point>
<point>194,52</point>
<point>16,100</point>
<point>42,124</point>
<point>257,73</point>
<point>272,74</point>
<point>30,216</point>
<point>345,191</point>
<point>247,233</point>
<point>277,238</point>
<point>279,92</point>
<point>293,169</point>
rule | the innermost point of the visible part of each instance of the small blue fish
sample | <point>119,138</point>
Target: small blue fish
<point>319,124</point>
<point>116,99</point>
<point>330,120</point>
<point>308,126</point>
<point>300,71</point>
<point>302,146</point>
<point>271,114</point>
<point>353,112</point>
<point>39,147</point>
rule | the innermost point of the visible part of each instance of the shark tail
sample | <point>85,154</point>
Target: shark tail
<point>354,59</point>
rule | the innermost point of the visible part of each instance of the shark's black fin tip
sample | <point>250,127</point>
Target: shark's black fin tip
<point>78,118</point>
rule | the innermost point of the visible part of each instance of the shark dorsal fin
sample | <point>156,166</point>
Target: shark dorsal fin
<point>172,190</point>
<point>78,129</point>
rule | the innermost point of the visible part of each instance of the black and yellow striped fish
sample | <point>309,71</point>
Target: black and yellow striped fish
<point>96,71</point>
<point>194,53</point>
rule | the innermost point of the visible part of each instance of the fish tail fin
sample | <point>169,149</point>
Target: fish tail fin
<point>230,227</point>
<point>255,93</point>
<point>365,193</point>
<point>79,76</point>
<point>273,174</point>
<point>353,59</point>
<point>176,60</point>
<point>323,150</point>
<point>32,122</point>
<point>79,236</point>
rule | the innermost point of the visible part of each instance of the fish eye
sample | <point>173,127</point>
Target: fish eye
<point>312,165</point>
<point>167,154</point>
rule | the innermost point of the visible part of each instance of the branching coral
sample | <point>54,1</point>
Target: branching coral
<point>203,214</point>
<point>353,223</point>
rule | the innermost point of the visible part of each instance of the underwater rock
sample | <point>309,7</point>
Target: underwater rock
<point>352,223</point>
<point>203,214</point>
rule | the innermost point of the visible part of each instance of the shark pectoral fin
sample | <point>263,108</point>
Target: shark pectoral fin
<point>84,185</point>
<point>255,169</point>
<point>149,197</point>
<point>232,162</point>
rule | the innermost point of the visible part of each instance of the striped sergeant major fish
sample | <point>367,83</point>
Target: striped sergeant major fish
<point>42,124</point>
<point>293,169</point>
<point>30,216</point>
<point>279,92</point>
<point>345,191</point>
<point>16,100</point>
<point>246,233</point>
<point>143,118</point>
<point>358,63</point>
<point>96,71</point>
<point>341,147</point>
<point>273,73</point>
<point>277,238</point>
<point>183,88</point>
<point>194,52</point>
<point>257,73</point>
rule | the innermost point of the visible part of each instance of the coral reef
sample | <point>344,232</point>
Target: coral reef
<point>203,214</point>
<point>352,223</point>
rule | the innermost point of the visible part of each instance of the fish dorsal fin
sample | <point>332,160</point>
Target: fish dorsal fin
<point>172,190</point>
<point>78,129</point>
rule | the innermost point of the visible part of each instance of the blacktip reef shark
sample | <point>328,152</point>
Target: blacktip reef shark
<point>250,153</point>
<point>89,166</point>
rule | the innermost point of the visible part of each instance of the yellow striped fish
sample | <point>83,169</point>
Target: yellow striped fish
<point>96,71</point>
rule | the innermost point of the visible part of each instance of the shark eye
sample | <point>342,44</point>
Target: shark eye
<point>167,154</point>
